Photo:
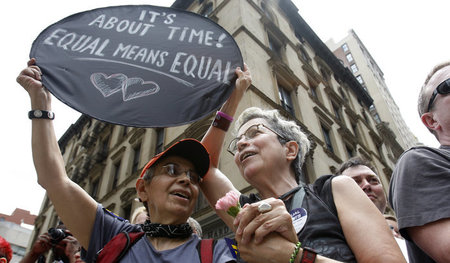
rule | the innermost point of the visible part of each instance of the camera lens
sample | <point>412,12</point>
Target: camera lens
<point>56,235</point>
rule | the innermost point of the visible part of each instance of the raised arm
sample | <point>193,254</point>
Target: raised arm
<point>40,247</point>
<point>73,205</point>
<point>364,227</point>
<point>216,184</point>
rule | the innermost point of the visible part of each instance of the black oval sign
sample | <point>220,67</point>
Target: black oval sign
<point>143,66</point>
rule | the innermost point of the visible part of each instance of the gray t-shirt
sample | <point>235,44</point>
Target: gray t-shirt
<point>107,225</point>
<point>419,192</point>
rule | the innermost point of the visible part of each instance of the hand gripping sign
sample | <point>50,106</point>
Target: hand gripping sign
<point>142,66</point>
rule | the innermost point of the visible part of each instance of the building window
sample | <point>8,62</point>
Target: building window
<point>354,68</point>
<point>275,46</point>
<point>344,47</point>
<point>268,12</point>
<point>374,113</point>
<point>105,144</point>
<point>325,75</point>
<point>126,210</point>
<point>349,57</point>
<point>159,140</point>
<point>380,150</point>
<point>350,151</point>
<point>94,188</point>
<point>342,94</point>
<point>314,92</point>
<point>124,131</point>
<point>360,79</point>
<point>207,10</point>
<point>74,154</point>
<point>116,176</point>
<point>355,129</point>
<point>285,99</point>
<point>136,157</point>
<point>377,117</point>
<point>327,137</point>
<point>304,55</point>
<point>337,111</point>
<point>364,114</point>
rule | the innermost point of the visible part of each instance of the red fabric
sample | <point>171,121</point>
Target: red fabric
<point>112,251</point>
<point>206,250</point>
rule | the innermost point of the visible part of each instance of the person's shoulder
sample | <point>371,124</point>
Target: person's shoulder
<point>417,154</point>
<point>420,149</point>
<point>342,182</point>
<point>226,249</point>
<point>112,214</point>
<point>322,182</point>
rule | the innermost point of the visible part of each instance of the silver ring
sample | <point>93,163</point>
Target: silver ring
<point>264,207</point>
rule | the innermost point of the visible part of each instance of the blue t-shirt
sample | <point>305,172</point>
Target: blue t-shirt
<point>108,225</point>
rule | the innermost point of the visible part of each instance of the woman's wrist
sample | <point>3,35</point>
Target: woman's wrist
<point>295,253</point>
<point>40,104</point>
<point>222,121</point>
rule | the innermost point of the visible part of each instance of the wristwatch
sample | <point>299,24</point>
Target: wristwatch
<point>308,256</point>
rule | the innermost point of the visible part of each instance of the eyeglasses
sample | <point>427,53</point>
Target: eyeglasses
<point>174,170</point>
<point>250,133</point>
<point>443,88</point>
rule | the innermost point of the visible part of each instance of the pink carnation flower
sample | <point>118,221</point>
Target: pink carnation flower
<point>229,203</point>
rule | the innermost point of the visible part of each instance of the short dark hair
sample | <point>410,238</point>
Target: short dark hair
<point>352,162</point>
<point>425,98</point>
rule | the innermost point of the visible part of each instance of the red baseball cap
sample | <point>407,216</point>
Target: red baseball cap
<point>190,149</point>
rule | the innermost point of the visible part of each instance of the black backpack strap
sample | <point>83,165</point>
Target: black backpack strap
<point>297,200</point>
<point>118,246</point>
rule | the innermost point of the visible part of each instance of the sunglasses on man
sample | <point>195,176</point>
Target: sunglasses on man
<point>443,88</point>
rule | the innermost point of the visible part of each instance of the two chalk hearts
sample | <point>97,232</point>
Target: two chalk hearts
<point>132,88</point>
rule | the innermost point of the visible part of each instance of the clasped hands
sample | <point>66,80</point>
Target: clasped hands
<point>264,236</point>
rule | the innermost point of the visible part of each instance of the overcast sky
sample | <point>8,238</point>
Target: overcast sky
<point>406,39</point>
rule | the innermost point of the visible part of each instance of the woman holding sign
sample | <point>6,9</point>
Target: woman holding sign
<point>327,221</point>
<point>168,186</point>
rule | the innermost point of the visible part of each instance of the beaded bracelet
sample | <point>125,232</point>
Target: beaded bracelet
<point>294,254</point>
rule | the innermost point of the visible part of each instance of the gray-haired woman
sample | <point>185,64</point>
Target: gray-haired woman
<point>333,217</point>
